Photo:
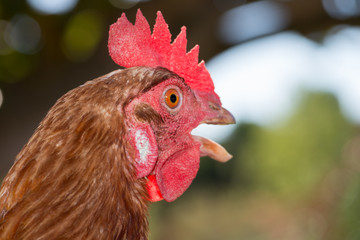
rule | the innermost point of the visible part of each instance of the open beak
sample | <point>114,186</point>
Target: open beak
<point>216,115</point>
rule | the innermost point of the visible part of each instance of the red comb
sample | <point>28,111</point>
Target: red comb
<point>134,45</point>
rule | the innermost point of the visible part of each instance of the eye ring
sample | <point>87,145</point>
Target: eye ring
<point>172,98</point>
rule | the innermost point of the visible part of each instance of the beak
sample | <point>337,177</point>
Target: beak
<point>222,116</point>
<point>214,113</point>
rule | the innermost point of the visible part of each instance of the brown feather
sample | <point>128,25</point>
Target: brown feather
<point>74,179</point>
<point>145,113</point>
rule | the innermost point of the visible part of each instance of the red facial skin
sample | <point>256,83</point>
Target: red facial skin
<point>178,154</point>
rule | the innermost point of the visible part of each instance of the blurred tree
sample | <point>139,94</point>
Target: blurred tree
<point>344,195</point>
<point>290,159</point>
<point>349,219</point>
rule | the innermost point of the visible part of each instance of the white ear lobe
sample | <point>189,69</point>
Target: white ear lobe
<point>143,140</point>
<point>142,143</point>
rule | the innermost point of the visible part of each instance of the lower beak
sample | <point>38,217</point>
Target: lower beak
<point>212,149</point>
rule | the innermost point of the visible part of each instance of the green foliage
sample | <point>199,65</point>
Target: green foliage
<point>291,158</point>
<point>349,213</point>
<point>82,35</point>
<point>16,66</point>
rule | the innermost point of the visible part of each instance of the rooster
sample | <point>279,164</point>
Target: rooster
<point>109,147</point>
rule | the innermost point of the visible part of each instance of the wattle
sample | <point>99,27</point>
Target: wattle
<point>153,189</point>
<point>176,174</point>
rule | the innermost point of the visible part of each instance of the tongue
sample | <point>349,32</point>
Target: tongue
<point>177,173</point>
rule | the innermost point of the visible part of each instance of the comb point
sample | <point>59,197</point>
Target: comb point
<point>139,17</point>
<point>161,30</point>
<point>159,15</point>
<point>122,20</point>
<point>142,25</point>
<point>180,41</point>
<point>193,55</point>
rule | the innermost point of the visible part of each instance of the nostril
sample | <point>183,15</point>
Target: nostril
<point>214,106</point>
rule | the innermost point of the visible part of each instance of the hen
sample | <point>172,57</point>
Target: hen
<point>108,147</point>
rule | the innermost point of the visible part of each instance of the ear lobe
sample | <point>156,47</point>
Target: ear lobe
<point>143,140</point>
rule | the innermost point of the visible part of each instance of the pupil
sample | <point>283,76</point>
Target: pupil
<point>173,98</point>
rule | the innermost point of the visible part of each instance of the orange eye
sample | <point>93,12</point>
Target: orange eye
<point>172,98</point>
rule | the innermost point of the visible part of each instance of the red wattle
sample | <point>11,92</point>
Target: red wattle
<point>177,173</point>
<point>153,189</point>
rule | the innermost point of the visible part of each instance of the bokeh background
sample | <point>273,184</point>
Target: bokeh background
<point>289,70</point>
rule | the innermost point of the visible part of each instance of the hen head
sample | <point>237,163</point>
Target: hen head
<point>162,118</point>
<point>160,123</point>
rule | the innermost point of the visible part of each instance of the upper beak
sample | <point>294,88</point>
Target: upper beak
<point>214,112</point>
<point>222,116</point>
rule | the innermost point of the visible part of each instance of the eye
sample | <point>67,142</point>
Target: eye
<point>172,98</point>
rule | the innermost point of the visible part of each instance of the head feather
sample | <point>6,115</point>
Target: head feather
<point>134,45</point>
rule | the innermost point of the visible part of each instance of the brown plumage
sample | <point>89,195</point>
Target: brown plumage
<point>73,179</point>
<point>108,147</point>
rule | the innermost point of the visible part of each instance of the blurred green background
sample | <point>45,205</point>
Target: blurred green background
<point>295,177</point>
